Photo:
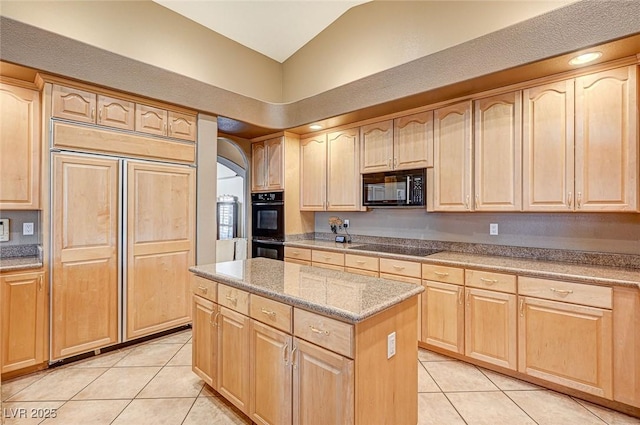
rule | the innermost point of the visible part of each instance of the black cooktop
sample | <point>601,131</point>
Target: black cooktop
<point>397,249</point>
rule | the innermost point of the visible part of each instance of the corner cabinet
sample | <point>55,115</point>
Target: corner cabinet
<point>20,144</point>
<point>24,311</point>
<point>330,178</point>
<point>267,165</point>
<point>450,179</point>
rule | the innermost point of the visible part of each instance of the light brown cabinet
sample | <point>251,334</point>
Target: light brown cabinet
<point>84,106</point>
<point>160,246</point>
<point>401,144</point>
<point>20,146</point>
<point>498,153</point>
<point>267,165</point>
<point>85,242</point>
<point>330,178</point>
<point>23,319</point>
<point>205,340</point>
<point>626,345</point>
<point>450,178</point>
<point>233,358</point>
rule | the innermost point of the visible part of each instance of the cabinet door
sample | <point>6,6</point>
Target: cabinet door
<point>258,166</point>
<point>271,375</point>
<point>160,246</point>
<point>498,153</point>
<point>443,316</point>
<point>275,163</point>
<point>547,147</point>
<point>23,320</point>
<point>85,254</point>
<point>151,120</point>
<point>377,147</point>
<point>413,141</point>
<point>607,141</point>
<point>452,153</point>
<point>343,176</point>
<point>116,113</point>
<point>233,358</point>
<point>205,340</point>
<point>323,386</point>
<point>182,126</point>
<point>566,344</point>
<point>73,104</point>
<point>20,147</point>
<point>490,327</point>
<point>313,173</point>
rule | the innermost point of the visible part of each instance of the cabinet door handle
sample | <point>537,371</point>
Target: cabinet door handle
<point>215,319</point>
<point>164,128</point>
<point>562,291</point>
<point>232,300</point>
<point>468,297</point>
<point>477,201</point>
<point>93,113</point>
<point>395,162</point>
<point>269,313</point>
<point>521,307</point>
<point>40,283</point>
<point>466,202</point>
<point>284,354</point>
<point>293,358</point>
<point>579,200</point>
<point>319,331</point>
<point>389,163</point>
<point>100,115</point>
<point>569,200</point>
<point>170,128</point>
<point>460,296</point>
<point>488,281</point>
<point>203,289</point>
<point>441,274</point>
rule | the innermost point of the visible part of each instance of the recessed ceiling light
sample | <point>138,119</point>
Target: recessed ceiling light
<point>315,127</point>
<point>585,58</point>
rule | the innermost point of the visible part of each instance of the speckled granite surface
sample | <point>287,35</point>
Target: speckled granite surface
<point>20,257</point>
<point>344,296</point>
<point>597,274</point>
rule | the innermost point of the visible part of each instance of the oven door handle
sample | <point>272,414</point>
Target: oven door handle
<point>268,242</point>
<point>269,204</point>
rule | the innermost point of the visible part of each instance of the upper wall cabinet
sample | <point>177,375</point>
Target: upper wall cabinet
<point>498,153</point>
<point>606,113</point>
<point>20,144</point>
<point>450,180</point>
<point>401,144</point>
<point>267,165</point>
<point>330,178</point>
<point>592,166</point>
<point>93,108</point>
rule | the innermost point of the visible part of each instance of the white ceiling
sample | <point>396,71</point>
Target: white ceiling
<point>275,28</point>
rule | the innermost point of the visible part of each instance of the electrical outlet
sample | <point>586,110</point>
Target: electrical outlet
<point>493,229</point>
<point>345,223</point>
<point>391,345</point>
<point>4,229</point>
<point>27,228</point>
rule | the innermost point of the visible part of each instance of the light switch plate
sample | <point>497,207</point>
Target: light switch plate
<point>27,229</point>
<point>4,229</point>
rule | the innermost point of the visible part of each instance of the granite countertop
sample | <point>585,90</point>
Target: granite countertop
<point>19,263</point>
<point>584,273</point>
<point>344,296</point>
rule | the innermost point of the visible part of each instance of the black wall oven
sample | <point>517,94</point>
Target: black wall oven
<point>267,211</point>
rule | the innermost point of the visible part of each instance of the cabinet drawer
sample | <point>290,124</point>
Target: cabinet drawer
<point>361,262</point>
<point>326,257</point>
<point>204,287</point>
<point>443,274</point>
<point>362,272</point>
<point>323,331</point>
<point>235,299</point>
<point>296,261</point>
<point>271,312</point>
<point>489,280</point>
<point>400,278</point>
<point>576,293</point>
<point>297,253</point>
<point>400,267</point>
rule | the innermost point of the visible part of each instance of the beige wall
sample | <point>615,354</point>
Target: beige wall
<point>383,34</point>
<point>150,33</point>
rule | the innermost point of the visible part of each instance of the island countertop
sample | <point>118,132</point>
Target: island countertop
<point>344,296</point>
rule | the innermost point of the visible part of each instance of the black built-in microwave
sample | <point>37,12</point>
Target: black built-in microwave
<point>394,188</point>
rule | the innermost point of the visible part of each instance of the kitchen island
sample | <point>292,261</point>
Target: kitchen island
<point>287,343</point>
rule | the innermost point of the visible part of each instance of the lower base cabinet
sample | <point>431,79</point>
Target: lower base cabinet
<point>233,358</point>
<point>443,316</point>
<point>205,340</point>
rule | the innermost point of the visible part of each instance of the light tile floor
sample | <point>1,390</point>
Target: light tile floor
<point>152,383</point>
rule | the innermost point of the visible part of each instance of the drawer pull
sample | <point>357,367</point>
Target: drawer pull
<point>326,257</point>
<point>562,291</point>
<point>268,312</point>
<point>203,289</point>
<point>232,300</point>
<point>441,274</point>
<point>398,267</point>
<point>360,262</point>
<point>296,252</point>
<point>318,331</point>
<point>488,281</point>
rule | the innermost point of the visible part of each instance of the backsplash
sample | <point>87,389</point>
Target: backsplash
<point>16,219</point>
<point>609,233</point>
